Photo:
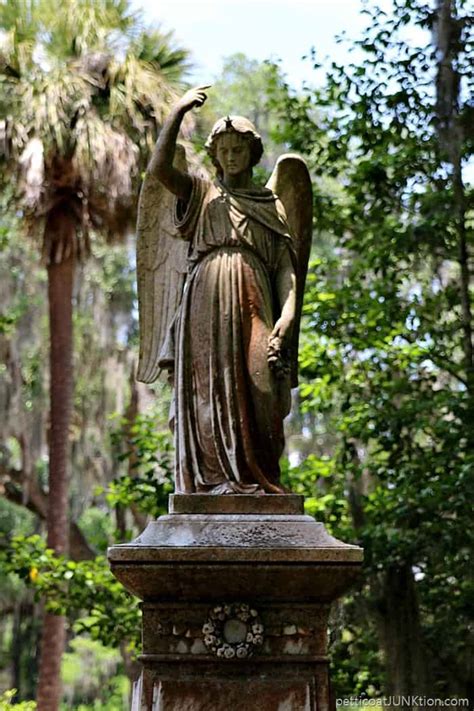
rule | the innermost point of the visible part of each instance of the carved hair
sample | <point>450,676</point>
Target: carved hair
<point>235,124</point>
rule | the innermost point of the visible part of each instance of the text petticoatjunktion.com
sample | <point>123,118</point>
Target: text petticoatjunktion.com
<point>414,701</point>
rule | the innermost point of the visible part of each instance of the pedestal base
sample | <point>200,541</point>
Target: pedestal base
<point>235,604</point>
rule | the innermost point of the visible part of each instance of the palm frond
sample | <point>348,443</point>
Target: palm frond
<point>83,91</point>
<point>78,27</point>
<point>32,169</point>
<point>21,19</point>
<point>160,50</point>
<point>138,90</point>
<point>106,159</point>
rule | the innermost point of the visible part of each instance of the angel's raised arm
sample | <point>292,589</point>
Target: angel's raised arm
<point>161,164</point>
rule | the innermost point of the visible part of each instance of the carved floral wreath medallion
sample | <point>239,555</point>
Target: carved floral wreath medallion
<point>233,631</point>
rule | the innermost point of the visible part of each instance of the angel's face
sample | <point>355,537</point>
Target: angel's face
<point>233,153</point>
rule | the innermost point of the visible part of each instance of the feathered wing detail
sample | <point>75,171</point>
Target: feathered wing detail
<point>291,182</point>
<point>161,268</point>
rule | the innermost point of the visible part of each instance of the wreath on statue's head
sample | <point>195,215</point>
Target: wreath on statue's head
<point>233,631</point>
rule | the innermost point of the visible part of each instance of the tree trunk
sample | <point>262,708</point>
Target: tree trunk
<point>15,482</point>
<point>16,652</point>
<point>24,641</point>
<point>60,230</point>
<point>407,668</point>
<point>395,607</point>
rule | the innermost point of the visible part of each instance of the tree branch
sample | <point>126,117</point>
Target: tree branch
<point>12,482</point>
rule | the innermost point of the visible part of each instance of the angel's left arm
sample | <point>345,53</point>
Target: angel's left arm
<point>285,285</point>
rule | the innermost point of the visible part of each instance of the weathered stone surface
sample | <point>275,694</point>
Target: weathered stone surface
<point>276,556</point>
<point>266,693</point>
<point>203,578</point>
<point>296,537</point>
<point>291,630</point>
<point>234,580</point>
<point>237,504</point>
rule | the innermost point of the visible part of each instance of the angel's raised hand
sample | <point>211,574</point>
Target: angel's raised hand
<point>193,97</point>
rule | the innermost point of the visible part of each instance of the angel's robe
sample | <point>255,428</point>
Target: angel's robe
<point>229,406</point>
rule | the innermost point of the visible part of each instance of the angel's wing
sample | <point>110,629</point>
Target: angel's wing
<point>161,268</point>
<point>290,181</point>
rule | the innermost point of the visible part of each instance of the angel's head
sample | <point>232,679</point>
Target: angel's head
<point>234,145</point>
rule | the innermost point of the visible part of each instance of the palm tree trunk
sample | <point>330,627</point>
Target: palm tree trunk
<point>53,641</point>
<point>60,285</point>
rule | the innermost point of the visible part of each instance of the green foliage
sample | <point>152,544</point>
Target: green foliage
<point>102,688</point>
<point>22,318</point>
<point>14,519</point>
<point>98,526</point>
<point>247,87</point>
<point>319,481</point>
<point>86,590</point>
<point>114,697</point>
<point>146,449</point>
<point>104,332</point>
<point>7,703</point>
<point>356,658</point>
<point>386,382</point>
<point>147,492</point>
<point>149,456</point>
<point>384,353</point>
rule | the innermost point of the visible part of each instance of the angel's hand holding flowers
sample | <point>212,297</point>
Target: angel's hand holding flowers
<point>278,348</point>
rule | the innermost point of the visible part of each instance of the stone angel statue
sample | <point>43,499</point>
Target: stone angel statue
<point>221,270</point>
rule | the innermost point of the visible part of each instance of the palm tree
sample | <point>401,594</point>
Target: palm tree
<point>83,88</point>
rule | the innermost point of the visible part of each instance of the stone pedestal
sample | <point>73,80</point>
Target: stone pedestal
<point>236,593</point>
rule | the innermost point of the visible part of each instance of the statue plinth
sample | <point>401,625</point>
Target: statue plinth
<point>236,593</point>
